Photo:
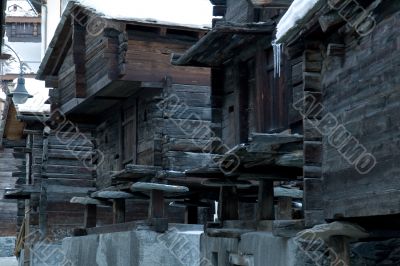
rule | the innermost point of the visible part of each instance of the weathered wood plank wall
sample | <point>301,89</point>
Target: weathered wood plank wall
<point>68,172</point>
<point>362,92</point>
<point>8,209</point>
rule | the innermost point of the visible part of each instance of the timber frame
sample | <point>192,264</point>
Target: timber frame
<point>265,146</point>
<point>120,87</point>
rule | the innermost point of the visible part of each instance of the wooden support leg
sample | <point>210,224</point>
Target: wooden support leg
<point>265,210</point>
<point>119,211</point>
<point>27,247</point>
<point>228,205</point>
<point>157,208</point>
<point>90,216</point>
<point>191,215</point>
<point>339,250</point>
<point>157,211</point>
<point>284,208</point>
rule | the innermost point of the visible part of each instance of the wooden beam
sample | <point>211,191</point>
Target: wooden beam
<point>336,49</point>
<point>265,210</point>
<point>157,208</point>
<point>79,55</point>
<point>228,204</point>
<point>157,211</point>
<point>284,208</point>
<point>329,20</point>
<point>118,211</point>
<point>90,215</point>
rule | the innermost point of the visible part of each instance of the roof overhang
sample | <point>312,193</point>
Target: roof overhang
<point>222,43</point>
<point>61,41</point>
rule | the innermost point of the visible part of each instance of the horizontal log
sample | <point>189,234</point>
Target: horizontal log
<point>286,192</point>
<point>259,142</point>
<point>219,182</point>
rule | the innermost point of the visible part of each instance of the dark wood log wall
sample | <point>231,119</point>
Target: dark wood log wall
<point>168,133</point>
<point>312,146</point>
<point>361,90</point>
<point>8,209</point>
<point>66,79</point>
<point>254,100</point>
<point>107,137</point>
<point>65,173</point>
<point>187,130</point>
<point>150,61</point>
<point>99,50</point>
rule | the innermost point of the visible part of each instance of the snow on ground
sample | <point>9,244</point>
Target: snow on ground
<point>8,261</point>
<point>187,12</point>
<point>296,11</point>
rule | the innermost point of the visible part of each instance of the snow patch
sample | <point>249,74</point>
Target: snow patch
<point>297,11</point>
<point>193,12</point>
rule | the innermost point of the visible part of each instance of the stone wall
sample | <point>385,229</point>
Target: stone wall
<point>263,248</point>
<point>180,246</point>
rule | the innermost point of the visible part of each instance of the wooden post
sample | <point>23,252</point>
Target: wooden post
<point>339,250</point>
<point>228,205</point>
<point>118,211</point>
<point>78,52</point>
<point>265,210</point>
<point>156,209</point>
<point>284,210</point>
<point>43,184</point>
<point>27,247</point>
<point>27,202</point>
<point>90,215</point>
<point>191,215</point>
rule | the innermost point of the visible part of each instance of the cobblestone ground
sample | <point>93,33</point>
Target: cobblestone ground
<point>8,261</point>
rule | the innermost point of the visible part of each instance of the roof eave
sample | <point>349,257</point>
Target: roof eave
<point>194,56</point>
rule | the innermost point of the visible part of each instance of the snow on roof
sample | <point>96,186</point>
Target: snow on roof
<point>40,95</point>
<point>20,8</point>
<point>298,10</point>
<point>182,12</point>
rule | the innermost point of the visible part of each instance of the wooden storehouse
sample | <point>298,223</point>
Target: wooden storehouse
<point>261,142</point>
<point>113,76</point>
<point>10,130</point>
<point>349,56</point>
<point>43,176</point>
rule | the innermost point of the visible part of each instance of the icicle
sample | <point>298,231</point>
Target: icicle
<point>277,58</point>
